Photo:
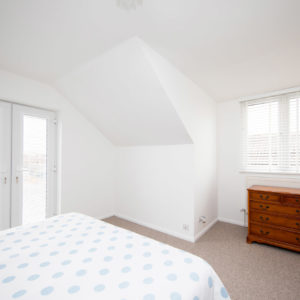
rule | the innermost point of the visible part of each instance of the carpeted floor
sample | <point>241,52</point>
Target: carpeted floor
<point>254,272</point>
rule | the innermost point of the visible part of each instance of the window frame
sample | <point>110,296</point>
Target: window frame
<point>283,113</point>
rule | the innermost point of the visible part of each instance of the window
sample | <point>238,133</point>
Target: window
<point>271,134</point>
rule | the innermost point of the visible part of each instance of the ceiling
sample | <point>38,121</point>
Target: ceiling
<point>230,48</point>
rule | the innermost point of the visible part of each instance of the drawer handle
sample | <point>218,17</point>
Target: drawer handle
<point>262,197</point>
<point>262,218</point>
<point>298,239</point>
<point>298,224</point>
<point>297,200</point>
<point>297,210</point>
<point>267,206</point>
<point>263,232</point>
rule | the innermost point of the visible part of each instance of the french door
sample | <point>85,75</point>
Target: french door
<point>28,152</point>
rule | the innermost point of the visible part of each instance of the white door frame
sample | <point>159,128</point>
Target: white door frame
<point>5,164</point>
<point>18,112</point>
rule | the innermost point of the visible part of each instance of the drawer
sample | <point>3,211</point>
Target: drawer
<point>292,200</point>
<point>275,234</point>
<point>264,196</point>
<point>274,220</point>
<point>265,207</point>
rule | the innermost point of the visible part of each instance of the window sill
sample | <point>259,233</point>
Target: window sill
<point>270,173</point>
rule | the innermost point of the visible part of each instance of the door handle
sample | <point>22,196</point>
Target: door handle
<point>5,180</point>
<point>17,179</point>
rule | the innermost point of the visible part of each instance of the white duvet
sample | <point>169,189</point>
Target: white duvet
<point>74,256</point>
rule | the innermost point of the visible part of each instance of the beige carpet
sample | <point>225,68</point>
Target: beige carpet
<point>248,271</point>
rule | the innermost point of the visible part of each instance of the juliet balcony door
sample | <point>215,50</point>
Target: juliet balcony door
<point>30,186</point>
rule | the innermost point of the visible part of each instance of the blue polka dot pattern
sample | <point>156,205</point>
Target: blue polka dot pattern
<point>81,273</point>
<point>147,267</point>
<point>165,251</point>
<point>172,277</point>
<point>126,269</point>
<point>224,293</point>
<point>99,288</point>
<point>168,263</point>
<point>66,262</point>
<point>129,245</point>
<point>22,266</point>
<point>92,250</point>
<point>147,254</point>
<point>57,275</point>
<point>19,294</point>
<point>73,251</point>
<point>124,285</point>
<point>45,264</point>
<point>149,297</point>
<point>196,298</point>
<point>73,289</point>
<point>2,266</point>
<point>210,282</point>
<point>47,290</point>
<point>175,296</point>
<point>8,279</point>
<point>34,254</point>
<point>104,272</point>
<point>107,258</point>
<point>194,276</point>
<point>14,255</point>
<point>128,256</point>
<point>148,280</point>
<point>188,260</point>
<point>53,253</point>
<point>87,260</point>
<point>33,277</point>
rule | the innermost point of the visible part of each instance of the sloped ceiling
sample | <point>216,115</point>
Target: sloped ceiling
<point>121,94</point>
<point>229,48</point>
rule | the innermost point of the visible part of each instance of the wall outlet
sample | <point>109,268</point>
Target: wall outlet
<point>202,219</point>
<point>185,227</point>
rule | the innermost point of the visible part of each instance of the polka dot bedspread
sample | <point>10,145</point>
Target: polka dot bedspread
<point>73,256</point>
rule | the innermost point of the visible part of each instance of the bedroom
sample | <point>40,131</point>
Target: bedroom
<point>155,117</point>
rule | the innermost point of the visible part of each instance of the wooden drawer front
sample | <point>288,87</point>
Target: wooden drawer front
<point>275,220</point>
<point>264,196</point>
<point>275,234</point>
<point>292,200</point>
<point>265,207</point>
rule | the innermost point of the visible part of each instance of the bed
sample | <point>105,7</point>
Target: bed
<point>73,256</point>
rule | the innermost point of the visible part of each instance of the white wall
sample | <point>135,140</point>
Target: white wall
<point>155,187</point>
<point>198,113</point>
<point>232,184</point>
<point>86,159</point>
<point>120,93</point>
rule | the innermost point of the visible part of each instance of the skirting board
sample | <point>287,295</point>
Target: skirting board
<point>158,228</point>
<point>106,216</point>
<point>232,222</point>
<point>204,230</point>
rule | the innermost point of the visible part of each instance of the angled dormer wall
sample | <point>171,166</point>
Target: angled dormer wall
<point>163,127</point>
<point>198,113</point>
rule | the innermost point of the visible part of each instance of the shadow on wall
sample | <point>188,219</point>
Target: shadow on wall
<point>129,4</point>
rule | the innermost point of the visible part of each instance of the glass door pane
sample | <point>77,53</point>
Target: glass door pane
<point>33,165</point>
<point>34,169</point>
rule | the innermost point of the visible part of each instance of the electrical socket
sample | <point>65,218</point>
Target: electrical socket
<point>185,227</point>
<point>202,219</point>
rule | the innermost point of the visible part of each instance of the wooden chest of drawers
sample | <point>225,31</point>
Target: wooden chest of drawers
<point>274,216</point>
